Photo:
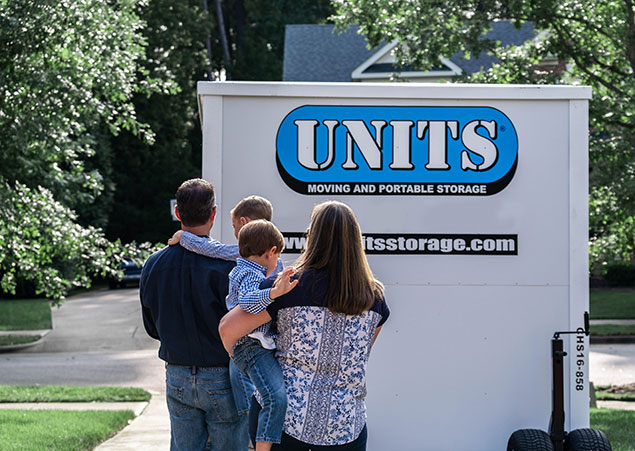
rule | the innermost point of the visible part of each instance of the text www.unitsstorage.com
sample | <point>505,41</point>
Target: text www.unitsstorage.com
<point>422,244</point>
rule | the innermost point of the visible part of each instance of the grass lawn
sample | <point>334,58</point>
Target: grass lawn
<point>7,340</point>
<point>618,425</point>
<point>602,395</point>
<point>612,304</point>
<point>612,329</point>
<point>57,393</point>
<point>58,429</point>
<point>25,314</point>
<point>615,392</point>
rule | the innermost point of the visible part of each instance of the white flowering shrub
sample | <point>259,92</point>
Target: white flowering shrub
<point>40,242</point>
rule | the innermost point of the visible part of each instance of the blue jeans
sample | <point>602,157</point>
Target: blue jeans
<point>288,443</point>
<point>202,409</point>
<point>264,371</point>
<point>242,388</point>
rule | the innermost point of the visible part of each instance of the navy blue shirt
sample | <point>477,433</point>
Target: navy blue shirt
<point>183,299</point>
<point>312,291</point>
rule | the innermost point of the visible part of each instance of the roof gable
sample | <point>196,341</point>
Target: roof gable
<point>382,64</point>
<point>322,53</point>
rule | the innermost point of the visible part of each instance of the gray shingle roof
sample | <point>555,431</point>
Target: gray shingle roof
<point>321,53</point>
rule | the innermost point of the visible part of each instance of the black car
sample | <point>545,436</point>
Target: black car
<point>131,274</point>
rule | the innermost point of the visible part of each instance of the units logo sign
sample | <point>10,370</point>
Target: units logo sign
<point>396,150</point>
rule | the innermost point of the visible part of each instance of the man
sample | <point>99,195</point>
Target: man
<point>183,299</point>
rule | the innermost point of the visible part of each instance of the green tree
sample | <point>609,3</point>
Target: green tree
<point>256,32</point>
<point>596,38</point>
<point>146,176</point>
<point>68,71</point>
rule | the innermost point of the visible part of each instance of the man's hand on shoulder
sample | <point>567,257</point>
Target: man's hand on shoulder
<point>175,238</point>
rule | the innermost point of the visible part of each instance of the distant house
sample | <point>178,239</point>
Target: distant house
<point>322,53</point>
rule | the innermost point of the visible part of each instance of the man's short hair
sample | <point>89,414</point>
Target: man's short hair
<point>195,201</point>
<point>257,237</point>
<point>253,207</point>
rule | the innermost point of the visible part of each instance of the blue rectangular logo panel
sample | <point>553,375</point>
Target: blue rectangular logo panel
<point>396,150</point>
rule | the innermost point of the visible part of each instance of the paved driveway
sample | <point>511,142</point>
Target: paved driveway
<point>612,364</point>
<point>99,339</point>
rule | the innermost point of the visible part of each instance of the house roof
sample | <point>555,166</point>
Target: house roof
<point>322,53</point>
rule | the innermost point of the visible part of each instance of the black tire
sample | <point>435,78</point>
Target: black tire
<point>529,440</point>
<point>587,440</point>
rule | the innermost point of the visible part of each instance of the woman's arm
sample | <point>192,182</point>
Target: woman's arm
<point>238,323</point>
<point>376,333</point>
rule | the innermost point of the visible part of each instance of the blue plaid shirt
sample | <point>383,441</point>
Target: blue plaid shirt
<point>244,287</point>
<point>244,290</point>
<point>244,283</point>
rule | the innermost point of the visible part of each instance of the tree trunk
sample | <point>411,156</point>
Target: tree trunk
<point>223,38</point>
<point>208,46</point>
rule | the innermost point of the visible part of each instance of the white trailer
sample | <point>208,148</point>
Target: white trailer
<point>473,202</point>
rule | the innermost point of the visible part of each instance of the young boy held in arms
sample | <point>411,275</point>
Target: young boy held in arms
<point>260,245</point>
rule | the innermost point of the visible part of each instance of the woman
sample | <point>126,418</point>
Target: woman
<point>326,327</point>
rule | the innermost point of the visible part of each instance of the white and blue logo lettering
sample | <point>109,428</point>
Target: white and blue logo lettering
<point>396,150</point>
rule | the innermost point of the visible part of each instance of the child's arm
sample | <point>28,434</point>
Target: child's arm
<point>238,323</point>
<point>205,246</point>
<point>254,300</point>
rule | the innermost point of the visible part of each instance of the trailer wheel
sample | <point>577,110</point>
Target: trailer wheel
<point>587,440</point>
<point>529,440</point>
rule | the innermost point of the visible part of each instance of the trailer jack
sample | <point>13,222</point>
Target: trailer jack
<point>558,439</point>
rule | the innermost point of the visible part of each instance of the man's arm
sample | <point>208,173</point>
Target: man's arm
<point>146,312</point>
<point>148,322</point>
<point>209,247</point>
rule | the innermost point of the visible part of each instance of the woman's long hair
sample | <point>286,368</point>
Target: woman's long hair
<point>334,245</point>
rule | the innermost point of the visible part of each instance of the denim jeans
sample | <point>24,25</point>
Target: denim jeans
<point>288,443</point>
<point>264,371</point>
<point>242,388</point>
<point>202,409</point>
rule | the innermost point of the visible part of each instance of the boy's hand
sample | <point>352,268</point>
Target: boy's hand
<point>285,284</point>
<point>175,238</point>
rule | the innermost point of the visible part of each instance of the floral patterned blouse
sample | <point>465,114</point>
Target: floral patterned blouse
<point>323,356</point>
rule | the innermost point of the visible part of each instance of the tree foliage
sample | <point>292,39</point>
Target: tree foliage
<point>43,244</point>
<point>596,38</point>
<point>99,121</point>
<point>256,33</point>
<point>146,176</point>
<point>68,72</point>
